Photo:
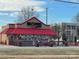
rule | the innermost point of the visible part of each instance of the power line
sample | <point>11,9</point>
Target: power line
<point>67,1</point>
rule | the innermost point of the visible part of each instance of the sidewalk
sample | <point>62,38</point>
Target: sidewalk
<point>41,56</point>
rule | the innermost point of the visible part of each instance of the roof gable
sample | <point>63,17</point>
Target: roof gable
<point>34,19</point>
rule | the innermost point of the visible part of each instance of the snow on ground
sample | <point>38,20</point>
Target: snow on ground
<point>41,47</point>
<point>7,46</point>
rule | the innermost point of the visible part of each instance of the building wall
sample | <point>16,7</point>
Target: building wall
<point>11,25</point>
<point>8,26</point>
<point>4,39</point>
<point>34,20</point>
<point>0,38</point>
<point>70,30</point>
<point>5,27</point>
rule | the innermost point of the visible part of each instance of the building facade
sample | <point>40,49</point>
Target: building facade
<point>71,31</point>
<point>28,33</point>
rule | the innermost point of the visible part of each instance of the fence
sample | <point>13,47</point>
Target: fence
<point>62,43</point>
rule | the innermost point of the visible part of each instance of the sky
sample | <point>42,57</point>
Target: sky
<point>58,12</point>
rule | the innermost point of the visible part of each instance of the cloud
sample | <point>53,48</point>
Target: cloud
<point>18,4</point>
<point>5,21</point>
<point>14,14</point>
<point>39,9</point>
<point>4,14</point>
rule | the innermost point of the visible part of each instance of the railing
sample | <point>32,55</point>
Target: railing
<point>62,43</point>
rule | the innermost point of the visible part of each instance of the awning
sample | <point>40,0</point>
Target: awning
<point>35,31</point>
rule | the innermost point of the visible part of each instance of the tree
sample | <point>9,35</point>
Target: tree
<point>64,39</point>
<point>26,13</point>
<point>75,39</point>
<point>76,18</point>
<point>56,28</point>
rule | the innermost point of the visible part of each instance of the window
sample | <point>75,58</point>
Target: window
<point>70,39</point>
<point>73,27</point>
<point>38,24</point>
<point>77,31</point>
<point>29,24</point>
<point>35,25</point>
<point>68,27</point>
<point>68,32</point>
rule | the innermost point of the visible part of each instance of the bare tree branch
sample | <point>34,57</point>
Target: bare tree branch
<point>26,13</point>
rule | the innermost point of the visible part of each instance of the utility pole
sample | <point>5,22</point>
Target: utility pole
<point>28,12</point>
<point>46,15</point>
<point>32,14</point>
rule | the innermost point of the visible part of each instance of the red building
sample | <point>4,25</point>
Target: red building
<point>29,33</point>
